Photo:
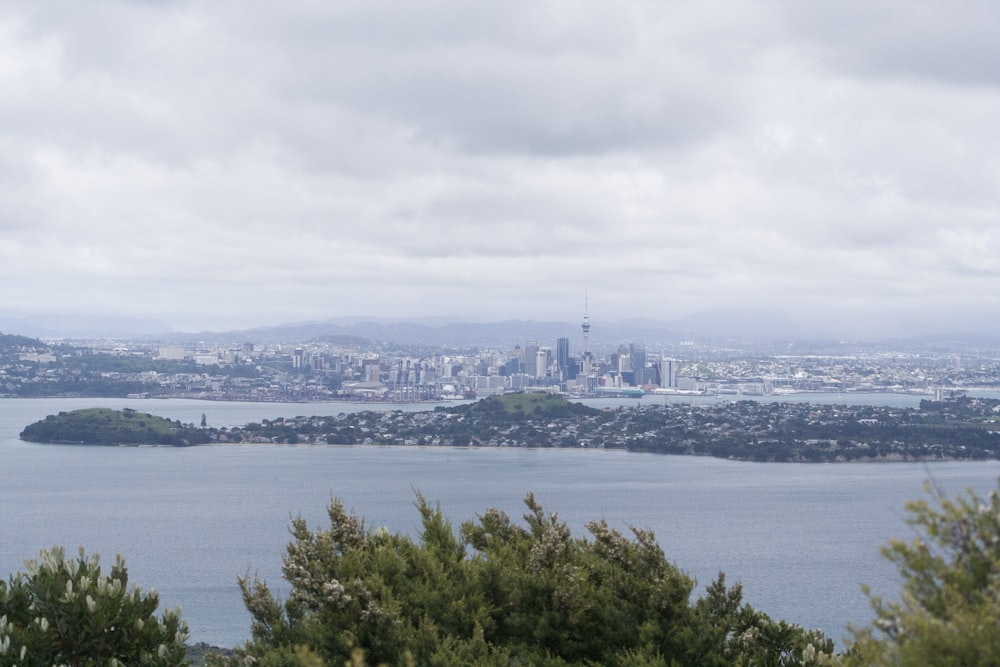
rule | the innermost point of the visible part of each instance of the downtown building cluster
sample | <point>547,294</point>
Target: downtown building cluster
<point>321,369</point>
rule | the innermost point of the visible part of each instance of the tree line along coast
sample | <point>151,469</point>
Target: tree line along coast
<point>959,428</point>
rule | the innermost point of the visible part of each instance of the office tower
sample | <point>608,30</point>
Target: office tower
<point>562,357</point>
<point>637,352</point>
<point>531,358</point>
<point>542,362</point>
<point>620,361</point>
<point>668,373</point>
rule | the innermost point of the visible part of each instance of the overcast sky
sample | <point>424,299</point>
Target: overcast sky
<point>225,164</point>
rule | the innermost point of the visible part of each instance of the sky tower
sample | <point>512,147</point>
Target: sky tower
<point>586,338</point>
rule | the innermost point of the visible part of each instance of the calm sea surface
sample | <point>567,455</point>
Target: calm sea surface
<point>801,538</point>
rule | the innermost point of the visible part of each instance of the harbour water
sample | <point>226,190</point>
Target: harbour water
<point>801,538</point>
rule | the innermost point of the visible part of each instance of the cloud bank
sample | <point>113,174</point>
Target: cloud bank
<point>229,164</point>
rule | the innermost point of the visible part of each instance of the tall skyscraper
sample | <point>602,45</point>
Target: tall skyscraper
<point>637,351</point>
<point>562,357</point>
<point>531,358</point>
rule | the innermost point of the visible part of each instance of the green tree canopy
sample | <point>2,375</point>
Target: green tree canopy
<point>501,593</point>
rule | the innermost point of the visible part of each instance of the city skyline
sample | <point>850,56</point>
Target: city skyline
<point>827,167</point>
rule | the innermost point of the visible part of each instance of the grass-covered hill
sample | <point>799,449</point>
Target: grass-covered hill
<point>103,426</point>
<point>520,407</point>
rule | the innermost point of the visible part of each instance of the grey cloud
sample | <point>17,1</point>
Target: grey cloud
<point>401,159</point>
<point>946,42</point>
<point>531,85</point>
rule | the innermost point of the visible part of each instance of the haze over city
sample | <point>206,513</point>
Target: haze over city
<point>825,166</point>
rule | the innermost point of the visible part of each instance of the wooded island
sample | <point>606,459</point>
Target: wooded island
<point>103,426</point>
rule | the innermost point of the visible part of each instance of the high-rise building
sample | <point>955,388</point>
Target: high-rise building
<point>621,362</point>
<point>586,362</point>
<point>668,373</point>
<point>542,362</point>
<point>637,352</point>
<point>562,357</point>
<point>531,358</point>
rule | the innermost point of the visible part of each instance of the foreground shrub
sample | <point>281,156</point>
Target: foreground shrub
<point>68,612</point>
<point>949,611</point>
<point>499,593</point>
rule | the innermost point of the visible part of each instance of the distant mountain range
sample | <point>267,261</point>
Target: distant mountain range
<point>457,335</point>
<point>766,332</point>
<point>427,332</point>
<point>81,327</point>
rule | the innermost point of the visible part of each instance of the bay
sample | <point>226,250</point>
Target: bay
<point>801,538</point>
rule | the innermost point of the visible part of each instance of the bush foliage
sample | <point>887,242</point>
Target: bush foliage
<point>949,610</point>
<point>499,593</point>
<point>66,611</point>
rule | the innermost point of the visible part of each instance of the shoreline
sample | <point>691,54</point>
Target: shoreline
<point>890,459</point>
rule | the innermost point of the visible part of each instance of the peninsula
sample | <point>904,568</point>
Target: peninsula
<point>963,428</point>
